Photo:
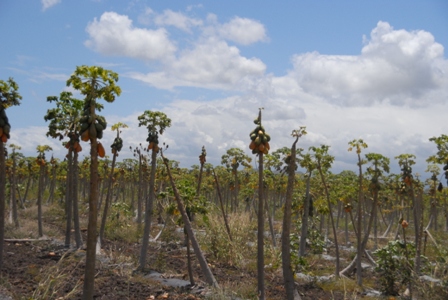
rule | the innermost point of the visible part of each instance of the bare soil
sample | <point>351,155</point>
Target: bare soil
<point>44,269</point>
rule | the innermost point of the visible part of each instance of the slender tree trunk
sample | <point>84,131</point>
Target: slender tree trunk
<point>260,233</point>
<point>199,255</point>
<point>417,210</point>
<point>359,227</point>
<point>224,216</point>
<point>107,203</point>
<point>39,199</point>
<point>148,212</point>
<point>74,201</point>
<point>2,199</point>
<point>304,229</point>
<point>89,275</point>
<point>140,191</point>
<point>13,187</point>
<point>330,207</point>
<point>288,275</point>
<point>52,184</point>
<point>28,184</point>
<point>270,222</point>
<point>190,268</point>
<point>346,230</point>
<point>69,198</point>
<point>375,225</point>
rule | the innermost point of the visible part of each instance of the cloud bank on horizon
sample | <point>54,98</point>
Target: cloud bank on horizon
<point>393,93</point>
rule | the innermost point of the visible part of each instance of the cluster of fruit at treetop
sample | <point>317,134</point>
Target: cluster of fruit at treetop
<point>287,160</point>
<point>87,119</point>
<point>153,140</point>
<point>348,207</point>
<point>74,138</point>
<point>117,145</point>
<point>403,223</point>
<point>5,127</point>
<point>406,174</point>
<point>259,139</point>
<point>445,169</point>
<point>40,159</point>
<point>202,159</point>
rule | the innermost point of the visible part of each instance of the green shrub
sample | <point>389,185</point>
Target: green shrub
<point>394,266</point>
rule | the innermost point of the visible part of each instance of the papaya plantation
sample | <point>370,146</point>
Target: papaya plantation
<point>267,221</point>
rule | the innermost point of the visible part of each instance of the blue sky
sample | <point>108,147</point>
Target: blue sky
<point>375,70</point>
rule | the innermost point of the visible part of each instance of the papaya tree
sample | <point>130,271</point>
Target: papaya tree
<point>65,121</point>
<point>323,164</point>
<point>379,166</point>
<point>156,122</point>
<point>41,162</point>
<point>93,83</point>
<point>141,160</point>
<point>434,185</point>
<point>406,161</point>
<point>232,160</point>
<point>116,148</point>
<point>288,275</point>
<point>13,184</point>
<point>202,160</point>
<point>307,162</point>
<point>221,205</point>
<point>441,157</point>
<point>9,96</point>
<point>260,145</point>
<point>359,145</point>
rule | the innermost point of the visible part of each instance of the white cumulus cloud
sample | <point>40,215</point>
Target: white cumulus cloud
<point>176,19</point>
<point>243,31</point>
<point>46,4</point>
<point>114,34</point>
<point>395,66</point>
<point>210,64</point>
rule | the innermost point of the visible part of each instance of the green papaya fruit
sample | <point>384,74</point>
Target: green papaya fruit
<point>102,121</point>
<point>6,129</point>
<point>84,126</point>
<point>268,137</point>
<point>99,127</point>
<point>253,136</point>
<point>99,134</point>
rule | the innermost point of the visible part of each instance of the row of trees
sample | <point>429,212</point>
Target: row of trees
<point>316,190</point>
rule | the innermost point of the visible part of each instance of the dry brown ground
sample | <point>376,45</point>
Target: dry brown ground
<point>46,270</point>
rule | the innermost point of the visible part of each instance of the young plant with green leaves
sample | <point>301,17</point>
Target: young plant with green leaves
<point>93,83</point>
